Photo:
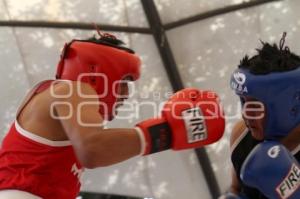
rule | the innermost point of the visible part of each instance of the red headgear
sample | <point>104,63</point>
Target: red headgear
<point>100,63</point>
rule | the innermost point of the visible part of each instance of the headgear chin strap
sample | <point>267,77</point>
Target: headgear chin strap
<point>280,94</point>
<point>102,65</point>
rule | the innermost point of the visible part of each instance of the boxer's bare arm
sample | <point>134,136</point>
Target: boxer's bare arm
<point>236,132</point>
<point>292,140</point>
<point>93,145</point>
<point>235,186</point>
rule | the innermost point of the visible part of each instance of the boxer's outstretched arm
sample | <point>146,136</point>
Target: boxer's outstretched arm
<point>93,145</point>
<point>200,124</point>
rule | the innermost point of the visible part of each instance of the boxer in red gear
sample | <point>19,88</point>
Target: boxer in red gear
<point>58,129</point>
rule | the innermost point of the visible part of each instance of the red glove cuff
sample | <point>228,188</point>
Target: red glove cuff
<point>156,134</point>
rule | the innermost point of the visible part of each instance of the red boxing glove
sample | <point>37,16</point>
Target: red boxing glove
<point>191,118</point>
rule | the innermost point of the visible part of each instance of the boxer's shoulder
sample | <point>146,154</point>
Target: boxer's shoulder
<point>69,89</point>
<point>238,131</point>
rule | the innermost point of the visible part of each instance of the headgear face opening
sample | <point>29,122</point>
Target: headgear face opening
<point>280,94</point>
<point>102,66</point>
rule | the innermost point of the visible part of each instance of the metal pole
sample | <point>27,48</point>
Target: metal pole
<point>216,12</point>
<point>73,25</point>
<point>166,54</point>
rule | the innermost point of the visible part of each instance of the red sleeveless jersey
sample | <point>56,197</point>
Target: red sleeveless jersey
<point>34,164</point>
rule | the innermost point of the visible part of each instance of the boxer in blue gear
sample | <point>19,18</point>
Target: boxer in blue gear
<point>268,85</point>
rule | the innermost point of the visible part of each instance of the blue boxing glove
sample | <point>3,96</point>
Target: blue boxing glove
<point>230,195</point>
<point>272,169</point>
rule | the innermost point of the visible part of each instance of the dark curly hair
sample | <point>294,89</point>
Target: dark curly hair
<point>271,58</point>
<point>109,40</point>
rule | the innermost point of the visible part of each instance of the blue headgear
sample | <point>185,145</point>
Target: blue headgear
<point>280,94</point>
